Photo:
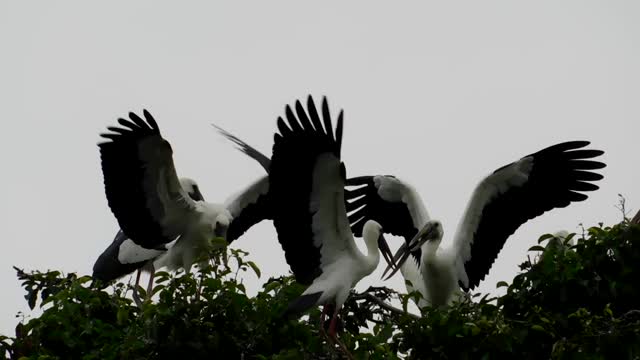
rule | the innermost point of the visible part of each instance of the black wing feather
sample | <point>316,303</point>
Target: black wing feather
<point>108,267</point>
<point>557,178</point>
<point>294,156</point>
<point>365,204</point>
<point>250,216</point>
<point>123,172</point>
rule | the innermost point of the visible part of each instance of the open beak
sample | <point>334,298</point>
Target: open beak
<point>386,251</point>
<point>405,250</point>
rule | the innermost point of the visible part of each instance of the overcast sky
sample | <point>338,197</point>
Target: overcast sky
<point>437,93</point>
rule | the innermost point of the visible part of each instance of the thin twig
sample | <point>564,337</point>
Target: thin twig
<point>382,304</point>
<point>630,312</point>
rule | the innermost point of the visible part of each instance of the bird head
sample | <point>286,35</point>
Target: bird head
<point>431,232</point>
<point>372,230</point>
<point>192,189</point>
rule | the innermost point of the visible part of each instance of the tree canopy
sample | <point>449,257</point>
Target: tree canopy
<point>577,301</point>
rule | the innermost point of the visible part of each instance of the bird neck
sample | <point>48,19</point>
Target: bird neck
<point>373,254</point>
<point>429,250</point>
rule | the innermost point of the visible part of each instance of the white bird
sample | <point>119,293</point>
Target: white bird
<point>307,187</point>
<point>154,210</point>
<point>559,242</point>
<point>510,196</point>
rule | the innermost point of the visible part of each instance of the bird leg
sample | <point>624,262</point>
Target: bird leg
<point>135,295</point>
<point>332,325</point>
<point>322,316</point>
<point>330,341</point>
<point>334,336</point>
<point>150,284</point>
<point>138,277</point>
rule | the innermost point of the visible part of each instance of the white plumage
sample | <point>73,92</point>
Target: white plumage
<point>163,219</point>
<point>307,187</point>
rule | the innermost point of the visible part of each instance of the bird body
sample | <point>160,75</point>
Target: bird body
<point>196,240</point>
<point>346,270</point>
<point>163,219</point>
<point>307,180</point>
<point>124,255</point>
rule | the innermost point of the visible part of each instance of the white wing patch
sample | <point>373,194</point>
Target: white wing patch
<point>243,198</point>
<point>394,190</point>
<point>326,190</point>
<point>130,252</point>
<point>513,175</point>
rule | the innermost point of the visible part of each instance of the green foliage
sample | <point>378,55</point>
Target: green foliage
<point>573,302</point>
<point>570,302</point>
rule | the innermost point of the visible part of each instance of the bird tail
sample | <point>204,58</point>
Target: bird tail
<point>302,304</point>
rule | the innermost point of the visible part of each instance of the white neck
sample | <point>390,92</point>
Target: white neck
<point>373,254</point>
<point>429,250</point>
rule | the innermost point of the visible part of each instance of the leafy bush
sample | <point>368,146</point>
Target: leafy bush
<point>574,302</point>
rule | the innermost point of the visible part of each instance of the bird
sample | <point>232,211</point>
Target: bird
<point>158,212</point>
<point>553,177</point>
<point>558,242</point>
<point>307,181</point>
<point>124,256</point>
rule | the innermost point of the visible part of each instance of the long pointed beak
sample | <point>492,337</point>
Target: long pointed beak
<point>403,254</point>
<point>405,250</point>
<point>197,195</point>
<point>386,251</point>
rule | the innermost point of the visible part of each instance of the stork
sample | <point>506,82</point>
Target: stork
<point>124,256</point>
<point>156,212</point>
<point>307,182</point>
<point>504,200</point>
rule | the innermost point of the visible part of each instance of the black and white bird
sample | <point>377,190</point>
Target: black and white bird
<point>123,255</point>
<point>513,194</point>
<point>158,213</point>
<point>307,181</point>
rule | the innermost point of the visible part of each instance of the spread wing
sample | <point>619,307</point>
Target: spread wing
<point>515,193</point>
<point>249,207</point>
<point>307,185</point>
<point>388,200</point>
<point>142,188</point>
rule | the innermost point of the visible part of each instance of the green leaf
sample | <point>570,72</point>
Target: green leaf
<point>123,314</point>
<point>537,327</point>
<point>218,243</point>
<point>84,279</point>
<point>545,237</point>
<point>536,248</point>
<point>500,284</point>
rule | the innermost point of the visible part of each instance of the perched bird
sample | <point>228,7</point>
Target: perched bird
<point>124,256</point>
<point>513,194</point>
<point>156,212</point>
<point>307,182</point>
<point>559,242</point>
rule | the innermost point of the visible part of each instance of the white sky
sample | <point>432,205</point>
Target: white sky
<point>439,94</point>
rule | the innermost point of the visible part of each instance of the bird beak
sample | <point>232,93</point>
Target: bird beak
<point>386,251</point>
<point>196,195</point>
<point>405,250</point>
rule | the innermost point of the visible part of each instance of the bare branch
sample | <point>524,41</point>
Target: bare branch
<point>370,297</point>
